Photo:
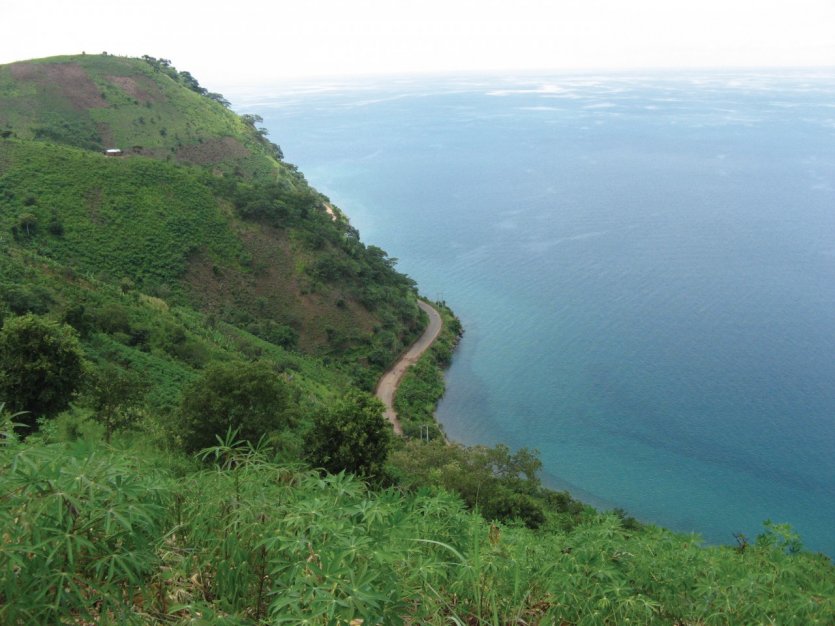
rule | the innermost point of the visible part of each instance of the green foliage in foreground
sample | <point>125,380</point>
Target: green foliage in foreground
<point>92,533</point>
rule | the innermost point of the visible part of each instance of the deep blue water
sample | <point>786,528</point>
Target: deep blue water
<point>644,265</point>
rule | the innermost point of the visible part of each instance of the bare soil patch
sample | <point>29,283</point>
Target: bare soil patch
<point>68,79</point>
<point>147,91</point>
<point>213,151</point>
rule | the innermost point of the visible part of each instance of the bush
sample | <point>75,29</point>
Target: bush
<point>112,318</point>
<point>278,334</point>
<point>27,299</point>
<point>82,530</point>
<point>249,397</point>
<point>76,315</point>
<point>41,366</point>
<point>502,485</point>
<point>352,436</point>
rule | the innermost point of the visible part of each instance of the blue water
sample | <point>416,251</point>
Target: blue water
<point>644,265</point>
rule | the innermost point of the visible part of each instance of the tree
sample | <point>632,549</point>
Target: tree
<point>27,222</point>
<point>251,119</point>
<point>353,436</point>
<point>41,366</point>
<point>219,98</point>
<point>503,485</point>
<point>249,397</point>
<point>22,299</point>
<point>115,395</point>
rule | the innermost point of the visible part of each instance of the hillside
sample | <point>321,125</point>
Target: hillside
<point>199,210</point>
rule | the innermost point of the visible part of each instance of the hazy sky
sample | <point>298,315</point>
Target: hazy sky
<point>250,42</point>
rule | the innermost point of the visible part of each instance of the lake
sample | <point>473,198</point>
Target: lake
<point>644,266</point>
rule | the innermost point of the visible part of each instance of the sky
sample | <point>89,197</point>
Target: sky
<point>246,42</point>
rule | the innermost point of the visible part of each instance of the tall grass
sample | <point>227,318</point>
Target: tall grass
<point>95,535</point>
<point>81,528</point>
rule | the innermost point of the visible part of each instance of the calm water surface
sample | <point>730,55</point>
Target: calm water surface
<point>644,265</point>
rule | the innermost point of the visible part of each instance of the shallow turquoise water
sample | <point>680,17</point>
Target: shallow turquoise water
<point>645,268</point>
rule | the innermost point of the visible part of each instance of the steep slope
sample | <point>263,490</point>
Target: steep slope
<point>200,210</point>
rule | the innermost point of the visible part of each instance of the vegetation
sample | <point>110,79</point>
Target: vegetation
<point>166,231</point>
<point>187,336</point>
<point>352,436</point>
<point>41,366</point>
<point>247,398</point>
<point>115,396</point>
<point>500,484</point>
<point>423,385</point>
<point>98,534</point>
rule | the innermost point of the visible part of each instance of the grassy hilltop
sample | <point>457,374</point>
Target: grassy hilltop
<point>143,106</point>
<point>188,336</point>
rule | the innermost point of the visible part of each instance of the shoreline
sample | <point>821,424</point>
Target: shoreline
<point>390,381</point>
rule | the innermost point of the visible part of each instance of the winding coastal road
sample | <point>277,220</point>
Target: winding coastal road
<point>388,384</point>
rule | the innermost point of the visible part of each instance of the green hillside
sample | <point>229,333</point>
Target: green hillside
<point>188,335</point>
<point>250,253</point>
<point>199,209</point>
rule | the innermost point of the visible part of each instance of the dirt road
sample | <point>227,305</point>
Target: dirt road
<point>387,386</point>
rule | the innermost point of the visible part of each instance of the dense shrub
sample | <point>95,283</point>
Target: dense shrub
<point>22,299</point>
<point>97,536</point>
<point>41,366</point>
<point>248,397</point>
<point>352,436</point>
<point>279,334</point>
<point>113,318</point>
<point>502,485</point>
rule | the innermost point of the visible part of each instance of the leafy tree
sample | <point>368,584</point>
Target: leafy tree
<point>76,315</point>
<point>115,395</point>
<point>249,397</point>
<point>503,504</point>
<point>519,470</point>
<point>352,436</point>
<point>41,366</point>
<point>22,299</point>
<point>278,153</point>
<point>219,98</point>
<point>272,331</point>
<point>503,485</point>
<point>112,318</point>
<point>191,83</point>
<point>55,227</point>
<point>126,285</point>
<point>28,223</point>
<point>251,119</point>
